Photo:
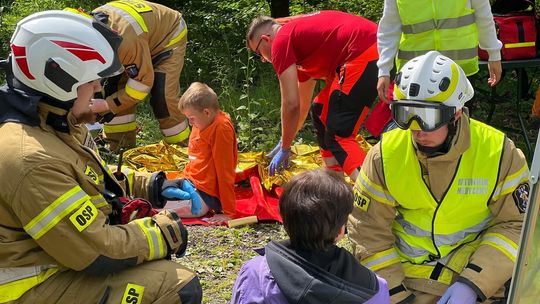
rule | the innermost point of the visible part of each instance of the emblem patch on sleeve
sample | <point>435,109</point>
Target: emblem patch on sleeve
<point>521,197</point>
<point>361,201</point>
<point>92,174</point>
<point>131,70</point>
<point>84,216</point>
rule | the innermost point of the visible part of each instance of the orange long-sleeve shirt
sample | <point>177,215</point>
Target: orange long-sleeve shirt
<point>213,155</point>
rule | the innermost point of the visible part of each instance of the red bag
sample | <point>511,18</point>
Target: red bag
<point>517,31</point>
<point>379,117</point>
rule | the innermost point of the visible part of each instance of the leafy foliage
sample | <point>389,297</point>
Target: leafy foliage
<point>14,10</point>
<point>217,55</point>
<point>370,9</point>
<point>248,91</point>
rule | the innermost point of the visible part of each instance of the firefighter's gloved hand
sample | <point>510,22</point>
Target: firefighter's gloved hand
<point>196,201</point>
<point>175,193</point>
<point>182,189</point>
<point>275,150</point>
<point>279,161</point>
<point>458,293</point>
<point>172,229</point>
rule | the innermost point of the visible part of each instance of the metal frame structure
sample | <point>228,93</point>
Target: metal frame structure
<point>525,286</point>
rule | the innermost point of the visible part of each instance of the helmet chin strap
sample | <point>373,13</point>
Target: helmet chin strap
<point>444,147</point>
<point>56,121</point>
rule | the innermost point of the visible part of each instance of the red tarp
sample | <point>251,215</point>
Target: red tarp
<point>253,200</point>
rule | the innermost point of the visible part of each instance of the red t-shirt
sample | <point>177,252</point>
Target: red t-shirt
<point>318,43</point>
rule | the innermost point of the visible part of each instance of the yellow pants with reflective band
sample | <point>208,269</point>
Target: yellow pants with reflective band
<point>152,282</point>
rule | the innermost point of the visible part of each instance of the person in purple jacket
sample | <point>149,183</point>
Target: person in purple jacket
<point>309,267</point>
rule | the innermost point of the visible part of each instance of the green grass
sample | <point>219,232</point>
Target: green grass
<point>217,253</point>
<point>149,132</point>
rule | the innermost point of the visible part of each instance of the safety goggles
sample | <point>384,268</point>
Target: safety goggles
<point>429,117</point>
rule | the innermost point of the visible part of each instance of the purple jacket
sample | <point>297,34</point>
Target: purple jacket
<point>286,276</point>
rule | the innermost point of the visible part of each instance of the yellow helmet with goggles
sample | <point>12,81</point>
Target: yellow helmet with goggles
<point>428,91</point>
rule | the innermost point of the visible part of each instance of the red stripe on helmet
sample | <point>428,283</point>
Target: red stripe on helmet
<point>71,45</point>
<point>23,66</point>
<point>85,55</point>
<point>19,52</point>
<point>82,52</point>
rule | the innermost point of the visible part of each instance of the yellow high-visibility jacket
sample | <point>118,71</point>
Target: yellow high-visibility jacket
<point>410,238</point>
<point>448,27</point>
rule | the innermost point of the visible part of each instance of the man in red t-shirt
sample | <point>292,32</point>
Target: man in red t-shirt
<point>336,47</point>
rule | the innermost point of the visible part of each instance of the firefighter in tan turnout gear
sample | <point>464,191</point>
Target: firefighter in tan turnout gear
<point>152,51</point>
<point>57,243</point>
<point>440,201</point>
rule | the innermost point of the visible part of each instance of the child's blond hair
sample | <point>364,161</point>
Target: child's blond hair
<point>199,96</point>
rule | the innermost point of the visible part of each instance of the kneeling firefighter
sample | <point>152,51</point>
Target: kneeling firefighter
<point>440,200</point>
<point>59,201</point>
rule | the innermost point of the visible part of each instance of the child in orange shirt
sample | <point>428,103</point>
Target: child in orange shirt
<point>212,154</point>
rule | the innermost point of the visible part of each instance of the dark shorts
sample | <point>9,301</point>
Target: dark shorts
<point>211,201</point>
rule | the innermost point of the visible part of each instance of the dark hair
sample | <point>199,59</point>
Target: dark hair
<point>257,25</point>
<point>314,206</point>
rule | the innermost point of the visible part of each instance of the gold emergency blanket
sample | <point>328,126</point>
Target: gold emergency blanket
<point>167,157</point>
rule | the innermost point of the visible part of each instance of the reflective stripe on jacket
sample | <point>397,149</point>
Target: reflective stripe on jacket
<point>446,26</point>
<point>14,282</point>
<point>53,215</point>
<point>489,260</point>
<point>147,29</point>
<point>427,229</point>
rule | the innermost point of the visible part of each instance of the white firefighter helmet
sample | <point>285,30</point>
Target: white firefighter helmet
<point>433,78</point>
<point>55,51</point>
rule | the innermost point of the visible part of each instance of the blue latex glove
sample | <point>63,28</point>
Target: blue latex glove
<point>175,193</point>
<point>196,202</point>
<point>275,150</point>
<point>280,159</point>
<point>458,293</point>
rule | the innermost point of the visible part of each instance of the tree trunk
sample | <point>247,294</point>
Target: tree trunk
<point>279,8</point>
